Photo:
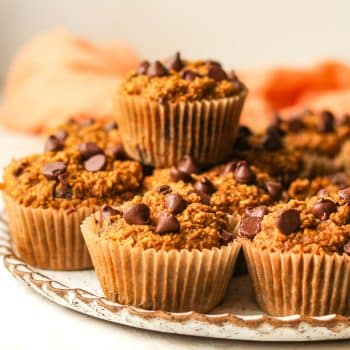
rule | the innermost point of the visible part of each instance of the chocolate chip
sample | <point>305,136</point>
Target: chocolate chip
<point>163,189</point>
<point>95,163</point>
<point>272,142</point>
<point>232,75</point>
<point>86,122</point>
<point>175,203</point>
<point>142,68</point>
<point>295,124</point>
<point>175,62</point>
<point>137,214</point>
<point>258,212</point>
<point>241,141</point>
<point>89,149</point>
<point>20,169</point>
<point>167,223</point>
<point>288,221</point>
<point>229,168</point>
<point>53,144</point>
<point>178,175</point>
<point>189,75</point>
<point>326,122</point>
<point>213,63</point>
<point>243,173</point>
<point>274,188</point>
<point>347,247</point>
<point>108,211</point>
<point>110,126</point>
<point>53,169</point>
<point>250,226</point>
<point>340,179</point>
<point>118,152</point>
<point>345,120</point>
<point>324,208</point>
<point>156,69</point>
<point>188,165</point>
<point>63,190</point>
<point>204,185</point>
<point>345,194</point>
<point>226,237</point>
<point>244,131</point>
<point>217,73</point>
<point>61,135</point>
<point>322,193</point>
<point>275,130</point>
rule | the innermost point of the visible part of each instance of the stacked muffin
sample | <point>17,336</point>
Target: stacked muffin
<point>170,240</point>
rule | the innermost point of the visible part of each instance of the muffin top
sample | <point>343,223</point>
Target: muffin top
<point>80,132</point>
<point>165,219</point>
<point>268,152</point>
<point>305,188</point>
<point>317,225</point>
<point>318,133</point>
<point>67,179</point>
<point>175,80</point>
<point>231,187</point>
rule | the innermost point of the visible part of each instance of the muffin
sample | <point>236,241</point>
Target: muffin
<point>164,250</point>
<point>268,151</point>
<point>48,195</point>
<point>320,139</point>
<point>298,255</point>
<point>176,107</point>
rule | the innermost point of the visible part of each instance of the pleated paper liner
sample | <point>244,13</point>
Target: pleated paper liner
<point>161,134</point>
<point>48,238</point>
<point>318,165</point>
<point>305,284</point>
<point>172,280</point>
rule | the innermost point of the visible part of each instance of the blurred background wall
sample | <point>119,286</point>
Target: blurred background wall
<point>242,33</point>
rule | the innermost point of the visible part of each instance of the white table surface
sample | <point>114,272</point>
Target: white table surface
<point>28,321</point>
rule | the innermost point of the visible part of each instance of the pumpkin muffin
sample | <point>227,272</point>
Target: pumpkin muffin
<point>161,103</point>
<point>298,255</point>
<point>164,250</point>
<point>48,195</point>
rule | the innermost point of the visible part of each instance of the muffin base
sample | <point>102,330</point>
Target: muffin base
<point>48,238</point>
<point>161,134</point>
<point>305,284</point>
<point>172,280</point>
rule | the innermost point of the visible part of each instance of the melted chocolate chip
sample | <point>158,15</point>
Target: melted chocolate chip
<point>226,237</point>
<point>345,194</point>
<point>89,149</point>
<point>63,190</point>
<point>20,169</point>
<point>323,209</point>
<point>178,175</point>
<point>142,68</point>
<point>347,247</point>
<point>189,75</point>
<point>95,163</point>
<point>157,69</point>
<point>250,226</point>
<point>217,73</point>
<point>53,144</point>
<point>107,211</point>
<point>288,221</point>
<point>175,62</point>
<point>118,152</point>
<point>205,198</point>
<point>274,188</point>
<point>163,189</point>
<point>175,203</point>
<point>167,223</point>
<point>52,170</point>
<point>229,168</point>
<point>243,173</point>
<point>137,214</point>
<point>188,165</point>
<point>272,142</point>
<point>258,212</point>
<point>61,135</point>
<point>204,185</point>
<point>326,123</point>
<point>110,126</point>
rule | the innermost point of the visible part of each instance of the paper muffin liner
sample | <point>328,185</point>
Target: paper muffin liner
<point>318,165</point>
<point>175,280</point>
<point>305,284</point>
<point>48,238</point>
<point>161,134</point>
